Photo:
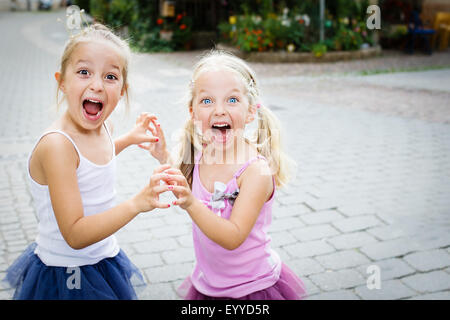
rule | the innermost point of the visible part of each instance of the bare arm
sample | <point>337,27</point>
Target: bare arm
<point>58,161</point>
<point>254,191</point>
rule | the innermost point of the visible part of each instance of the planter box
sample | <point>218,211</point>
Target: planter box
<point>286,57</point>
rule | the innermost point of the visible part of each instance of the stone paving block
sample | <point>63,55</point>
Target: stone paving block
<point>311,288</point>
<point>168,273</point>
<point>285,224</point>
<point>282,238</point>
<point>442,295</point>
<point>155,245</point>
<point>342,260</point>
<point>389,290</point>
<point>321,217</point>
<point>338,280</point>
<point>389,249</point>
<point>308,249</point>
<point>389,268</point>
<point>428,282</point>
<point>314,232</point>
<point>185,241</point>
<point>387,232</point>
<point>428,260</point>
<point>351,240</point>
<point>433,240</point>
<point>356,223</point>
<point>146,260</point>
<point>289,211</point>
<point>158,291</point>
<point>335,295</point>
<point>6,294</point>
<point>132,237</point>
<point>171,231</point>
<point>178,255</point>
<point>295,199</point>
<point>355,208</point>
<point>322,204</point>
<point>305,266</point>
<point>284,256</point>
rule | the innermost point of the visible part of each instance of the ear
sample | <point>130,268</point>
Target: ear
<point>251,114</point>
<point>58,79</point>
<point>191,111</point>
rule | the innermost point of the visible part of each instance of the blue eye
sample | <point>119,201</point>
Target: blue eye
<point>84,72</point>
<point>111,77</point>
<point>206,101</point>
<point>233,100</point>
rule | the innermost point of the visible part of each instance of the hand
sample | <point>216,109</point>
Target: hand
<point>180,188</point>
<point>148,198</point>
<point>158,148</point>
<point>139,134</point>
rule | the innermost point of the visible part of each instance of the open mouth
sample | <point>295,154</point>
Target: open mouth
<point>92,109</point>
<point>221,131</point>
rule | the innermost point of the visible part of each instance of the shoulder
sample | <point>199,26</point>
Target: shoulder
<point>56,147</point>
<point>258,175</point>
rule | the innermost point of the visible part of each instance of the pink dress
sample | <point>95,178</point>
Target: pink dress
<point>253,270</point>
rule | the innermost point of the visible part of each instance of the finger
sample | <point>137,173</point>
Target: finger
<point>160,205</point>
<point>148,138</point>
<point>142,146</point>
<point>161,168</point>
<point>179,179</point>
<point>155,180</point>
<point>159,130</point>
<point>177,189</point>
<point>152,130</point>
<point>179,201</point>
<point>139,118</point>
<point>173,171</point>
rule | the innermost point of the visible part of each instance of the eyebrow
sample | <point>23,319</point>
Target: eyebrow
<point>88,62</point>
<point>228,92</point>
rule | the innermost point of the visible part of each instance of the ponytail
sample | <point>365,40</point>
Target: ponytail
<point>269,145</point>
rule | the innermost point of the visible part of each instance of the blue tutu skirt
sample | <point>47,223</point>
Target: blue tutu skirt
<point>109,279</point>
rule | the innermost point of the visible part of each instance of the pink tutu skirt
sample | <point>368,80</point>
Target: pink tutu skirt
<point>288,287</point>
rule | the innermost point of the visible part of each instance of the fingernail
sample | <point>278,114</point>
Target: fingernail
<point>158,124</point>
<point>157,139</point>
<point>174,202</point>
<point>168,206</point>
<point>170,187</point>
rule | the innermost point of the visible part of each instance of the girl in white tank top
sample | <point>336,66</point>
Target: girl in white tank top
<point>72,173</point>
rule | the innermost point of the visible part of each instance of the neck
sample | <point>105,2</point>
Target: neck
<point>238,153</point>
<point>68,124</point>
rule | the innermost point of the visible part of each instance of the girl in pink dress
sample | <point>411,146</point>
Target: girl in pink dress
<point>226,182</point>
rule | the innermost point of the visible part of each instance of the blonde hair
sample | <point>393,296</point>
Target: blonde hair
<point>267,138</point>
<point>95,32</point>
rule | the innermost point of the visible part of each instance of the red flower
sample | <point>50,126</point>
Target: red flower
<point>179,17</point>
<point>183,26</point>
<point>160,21</point>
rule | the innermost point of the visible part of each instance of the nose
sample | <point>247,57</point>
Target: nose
<point>96,84</point>
<point>219,109</point>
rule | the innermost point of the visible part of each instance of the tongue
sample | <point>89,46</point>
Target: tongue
<point>92,107</point>
<point>221,134</point>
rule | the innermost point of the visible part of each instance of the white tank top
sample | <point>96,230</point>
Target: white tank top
<point>96,184</point>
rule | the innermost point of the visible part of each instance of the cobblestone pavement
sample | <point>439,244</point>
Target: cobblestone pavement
<point>373,154</point>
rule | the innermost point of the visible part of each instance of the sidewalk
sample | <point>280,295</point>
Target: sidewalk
<point>373,154</point>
